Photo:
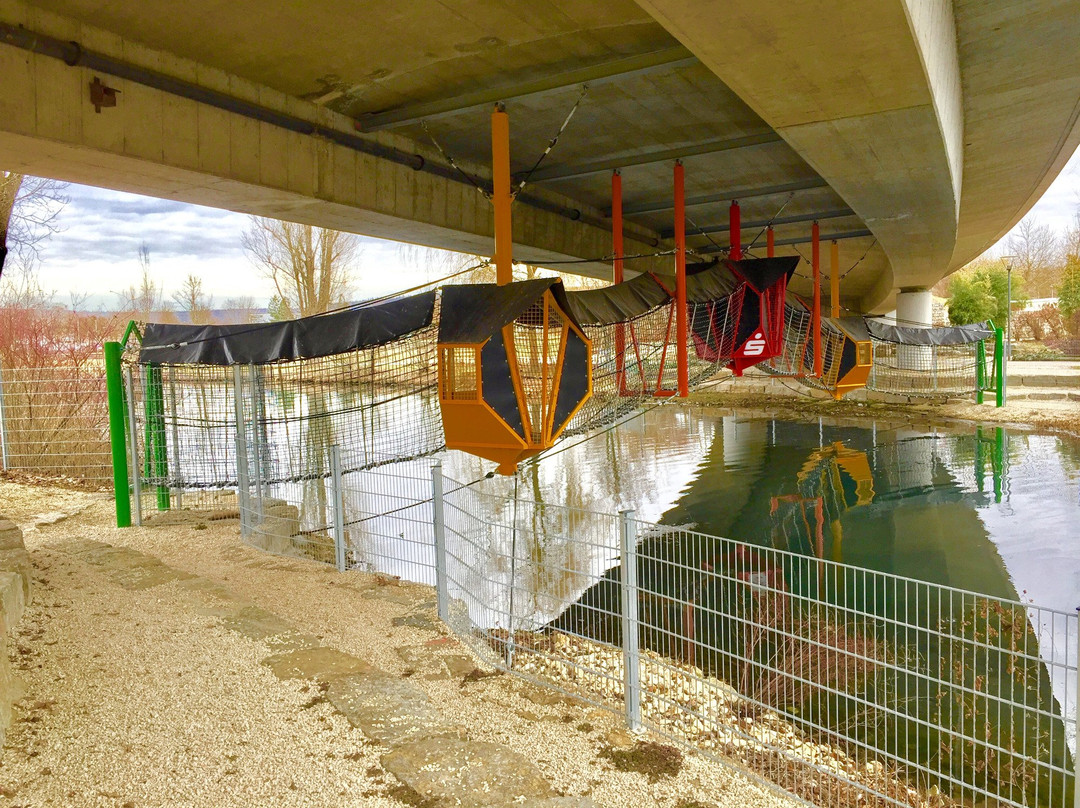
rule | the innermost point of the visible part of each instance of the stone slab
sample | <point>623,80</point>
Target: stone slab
<point>13,555</point>
<point>12,597</point>
<point>320,662</point>
<point>389,709</point>
<point>258,624</point>
<point>129,568</point>
<point>469,774</point>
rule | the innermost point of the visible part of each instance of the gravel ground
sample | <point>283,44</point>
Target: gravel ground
<point>144,697</point>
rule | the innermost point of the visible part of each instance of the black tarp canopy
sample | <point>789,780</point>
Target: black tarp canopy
<point>906,335</point>
<point>616,304</point>
<point>365,326</point>
<point>854,327</point>
<point>762,273</point>
<point>473,312</point>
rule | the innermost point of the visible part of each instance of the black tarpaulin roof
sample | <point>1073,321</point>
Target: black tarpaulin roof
<point>906,335</point>
<point>711,283</point>
<point>616,304</point>
<point>306,338</point>
<point>854,327</point>
<point>472,312</point>
<point>761,273</point>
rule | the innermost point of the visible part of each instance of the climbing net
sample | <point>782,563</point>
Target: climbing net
<point>929,371</point>
<point>202,429</point>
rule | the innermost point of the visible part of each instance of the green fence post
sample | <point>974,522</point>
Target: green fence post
<point>114,384</point>
<point>998,464</point>
<point>980,371</point>
<point>999,365</point>
<point>980,461</point>
<point>157,459</point>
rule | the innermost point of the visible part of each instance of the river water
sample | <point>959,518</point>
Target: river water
<point>991,510</point>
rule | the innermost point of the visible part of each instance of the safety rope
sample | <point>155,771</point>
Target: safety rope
<point>551,143</point>
<point>468,177</point>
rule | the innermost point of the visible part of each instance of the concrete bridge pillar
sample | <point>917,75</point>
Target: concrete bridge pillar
<point>915,309</point>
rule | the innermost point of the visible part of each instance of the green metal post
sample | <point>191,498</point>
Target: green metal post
<point>980,371</point>
<point>117,427</point>
<point>999,462</point>
<point>999,365</point>
<point>980,461</point>
<point>157,459</point>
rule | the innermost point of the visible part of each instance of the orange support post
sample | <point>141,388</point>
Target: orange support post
<point>735,231</point>
<point>770,242</point>
<point>834,286</point>
<point>617,268</point>
<point>681,325</point>
<point>815,327</point>
<point>501,199</point>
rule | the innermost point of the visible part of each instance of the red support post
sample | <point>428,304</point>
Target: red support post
<point>617,268</point>
<point>681,325</point>
<point>770,242</point>
<point>815,327</point>
<point>735,231</point>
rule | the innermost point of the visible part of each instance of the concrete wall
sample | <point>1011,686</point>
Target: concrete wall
<point>14,596</point>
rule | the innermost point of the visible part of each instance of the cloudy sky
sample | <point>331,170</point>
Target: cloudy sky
<point>96,252</point>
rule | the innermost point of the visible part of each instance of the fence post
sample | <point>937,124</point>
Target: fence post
<point>175,410</point>
<point>3,425</point>
<point>631,654</point>
<point>256,442</point>
<point>339,507</point>
<point>114,386</point>
<point>1076,718</point>
<point>242,482</point>
<point>133,433</point>
<point>157,460</point>
<point>999,365</point>
<point>980,371</point>
<point>442,592</point>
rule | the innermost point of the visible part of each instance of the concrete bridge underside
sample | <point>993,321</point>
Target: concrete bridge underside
<point>916,132</point>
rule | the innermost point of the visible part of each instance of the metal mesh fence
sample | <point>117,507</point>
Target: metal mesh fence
<point>54,421</point>
<point>843,685</point>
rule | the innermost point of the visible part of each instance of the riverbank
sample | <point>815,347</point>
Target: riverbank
<point>787,399</point>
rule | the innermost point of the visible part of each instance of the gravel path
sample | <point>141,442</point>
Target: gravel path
<point>146,681</point>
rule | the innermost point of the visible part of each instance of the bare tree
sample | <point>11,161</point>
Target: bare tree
<point>311,267</point>
<point>147,298</point>
<point>192,299</point>
<point>436,264</point>
<point>1070,239</point>
<point>239,311</point>
<point>29,207</point>
<point>1035,249</point>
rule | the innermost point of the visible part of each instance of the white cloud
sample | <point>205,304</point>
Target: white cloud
<point>96,252</point>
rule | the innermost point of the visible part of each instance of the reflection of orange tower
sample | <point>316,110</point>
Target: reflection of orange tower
<point>823,472</point>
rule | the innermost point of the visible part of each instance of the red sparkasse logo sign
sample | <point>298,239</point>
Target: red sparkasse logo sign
<point>755,346</point>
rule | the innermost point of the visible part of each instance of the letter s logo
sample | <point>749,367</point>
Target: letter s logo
<point>754,346</point>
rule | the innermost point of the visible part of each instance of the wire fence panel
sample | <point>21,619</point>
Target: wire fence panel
<point>54,421</point>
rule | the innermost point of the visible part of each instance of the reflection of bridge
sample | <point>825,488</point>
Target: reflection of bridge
<point>916,133</point>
